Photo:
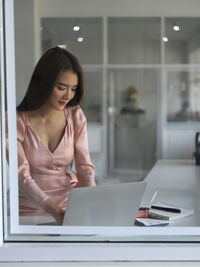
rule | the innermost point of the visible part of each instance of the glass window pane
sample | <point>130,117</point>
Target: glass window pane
<point>134,40</point>
<point>183,96</point>
<point>183,46</point>
<point>92,99</point>
<point>85,43</point>
<point>135,98</point>
<point>130,41</point>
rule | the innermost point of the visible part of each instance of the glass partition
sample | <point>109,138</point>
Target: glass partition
<point>135,116</point>
<point>183,44</point>
<point>93,95</point>
<point>134,40</point>
<point>183,96</point>
<point>81,36</point>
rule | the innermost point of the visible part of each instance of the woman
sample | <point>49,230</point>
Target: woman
<point>51,131</point>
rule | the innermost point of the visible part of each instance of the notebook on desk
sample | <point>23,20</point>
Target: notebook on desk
<point>167,215</point>
<point>107,205</point>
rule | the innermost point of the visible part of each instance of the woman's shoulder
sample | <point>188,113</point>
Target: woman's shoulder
<point>21,119</point>
<point>20,115</point>
<point>77,111</point>
<point>77,114</point>
<point>21,124</point>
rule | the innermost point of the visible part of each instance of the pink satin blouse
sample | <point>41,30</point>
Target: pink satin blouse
<point>42,173</point>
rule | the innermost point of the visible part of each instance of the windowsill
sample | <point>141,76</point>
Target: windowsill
<point>99,252</point>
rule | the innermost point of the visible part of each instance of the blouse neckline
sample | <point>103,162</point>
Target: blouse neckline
<point>66,112</point>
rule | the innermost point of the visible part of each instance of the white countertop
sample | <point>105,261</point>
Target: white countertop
<point>177,182</point>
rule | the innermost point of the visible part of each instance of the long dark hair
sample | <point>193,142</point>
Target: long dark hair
<point>44,77</point>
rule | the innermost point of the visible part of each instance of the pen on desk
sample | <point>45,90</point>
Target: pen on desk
<point>166,209</point>
<point>153,198</point>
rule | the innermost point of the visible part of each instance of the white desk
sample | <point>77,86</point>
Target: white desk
<point>177,182</point>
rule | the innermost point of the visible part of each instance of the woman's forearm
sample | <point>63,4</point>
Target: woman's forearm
<point>52,208</point>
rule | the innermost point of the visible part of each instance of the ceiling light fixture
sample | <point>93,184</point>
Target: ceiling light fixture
<point>76,28</point>
<point>176,28</point>
<point>80,39</point>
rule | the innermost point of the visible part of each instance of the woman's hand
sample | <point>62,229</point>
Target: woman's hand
<point>60,216</point>
<point>52,208</point>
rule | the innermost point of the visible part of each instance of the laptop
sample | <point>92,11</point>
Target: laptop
<point>106,205</point>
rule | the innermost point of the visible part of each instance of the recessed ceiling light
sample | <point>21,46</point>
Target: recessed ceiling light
<point>76,28</point>
<point>80,39</point>
<point>176,28</point>
<point>165,39</point>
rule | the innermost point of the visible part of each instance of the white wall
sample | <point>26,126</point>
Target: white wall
<point>62,8</point>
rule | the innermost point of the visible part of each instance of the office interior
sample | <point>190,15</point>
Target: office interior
<point>141,63</point>
<point>141,66</point>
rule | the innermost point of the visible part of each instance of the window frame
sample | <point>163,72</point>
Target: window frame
<point>38,251</point>
<point>15,228</point>
<point>2,82</point>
